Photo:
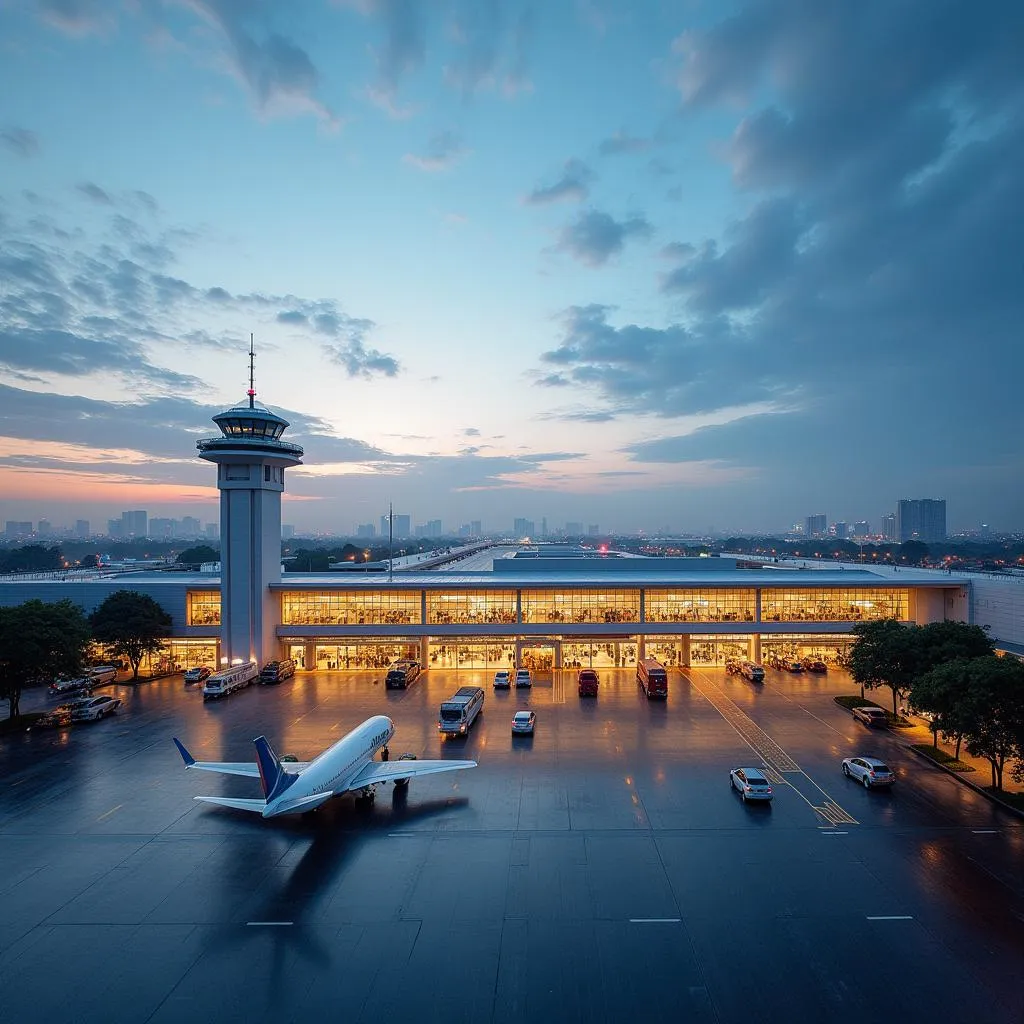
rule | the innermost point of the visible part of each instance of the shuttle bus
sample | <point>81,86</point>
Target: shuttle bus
<point>401,674</point>
<point>277,671</point>
<point>458,711</point>
<point>652,678</point>
<point>220,684</point>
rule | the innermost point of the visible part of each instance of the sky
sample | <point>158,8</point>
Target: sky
<point>649,265</point>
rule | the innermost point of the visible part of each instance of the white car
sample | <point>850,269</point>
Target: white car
<point>92,709</point>
<point>502,679</point>
<point>523,723</point>
<point>524,677</point>
<point>873,717</point>
<point>868,771</point>
<point>751,783</point>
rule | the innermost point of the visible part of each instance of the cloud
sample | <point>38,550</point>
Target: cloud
<point>279,74</point>
<point>77,17</point>
<point>493,39</point>
<point>95,193</point>
<point>594,237</point>
<point>20,141</point>
<point>470,432</point>
<point>402,50</point>
<point>443,151</point>
<point>573,185</point>
<point>622,142</point>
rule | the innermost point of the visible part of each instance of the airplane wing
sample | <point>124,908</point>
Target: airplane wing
<point>229,801</point>
<point>249,769</point>
<point>386,771</point>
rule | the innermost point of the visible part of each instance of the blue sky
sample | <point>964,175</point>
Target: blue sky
<point>645,265</point>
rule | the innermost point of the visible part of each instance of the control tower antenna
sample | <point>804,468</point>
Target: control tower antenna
<point>252,373</point>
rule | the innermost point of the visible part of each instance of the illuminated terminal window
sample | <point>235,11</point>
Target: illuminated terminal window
<point>833,604</point>
<point>359,608</point>
<point>204,608</point>
<point>581,605</point>
<point>777,648</point>
<point>363,654</point>
<point>471,607</point>
<point>699,605</point>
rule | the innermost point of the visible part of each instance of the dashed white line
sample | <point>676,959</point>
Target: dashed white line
<point>831,833</point>
<point>269,924</point>
<point>655,920</point>
<point>985,831</point>
<point>892,917</point>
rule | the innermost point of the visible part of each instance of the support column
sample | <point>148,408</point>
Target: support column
<point>684,651</point>
<point>755,648</point>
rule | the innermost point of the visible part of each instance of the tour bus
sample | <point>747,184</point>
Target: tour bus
<point>401,674</point>
<point>220,684</point>
<point>276,671</point>
<point>652,678</point>
<point>459,711</point>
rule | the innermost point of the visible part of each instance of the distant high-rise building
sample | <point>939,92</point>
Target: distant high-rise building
<point>190,527</point>
<point>134,523</point>
<point>115,528</point>
<point>431,528</point>
<point>44,528</point>
<point>544,526</point>
<point>82,528</point>
<point>889,527</point>
<point>985,530</point>
<point>14,528</point>
<point>574,529</point>
<point>366,530</point>
<point>523,527</point>
<point>921,519</point>
<point>213,531</point>
<point>839,530</point>
<point>593,530</point>
<point>287,531</point>
<point>402,526</point>
<point>816,525</point>
<point>860,529</point>
<point>163,529</point>
<point>476,528</point>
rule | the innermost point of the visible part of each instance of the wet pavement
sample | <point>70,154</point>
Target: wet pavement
<point>600,871</point>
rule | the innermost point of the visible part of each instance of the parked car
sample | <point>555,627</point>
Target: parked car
<point>733,666</point>
<point>587,682</point>
<point>815,665</point>
<point>751,783</point>
<point>523,723</point>
<point>792,664</point>
<point>874,717</point>
<point>752,671</point>
<point>199,674</point>
<point>402,783</point>
<point>54,718</point>
<point>92,709</point>
<point>502,679</point>
<point>524,677</point>
<point>869,771</point>
<point>63,687</point>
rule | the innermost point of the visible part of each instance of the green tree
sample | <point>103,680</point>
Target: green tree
<point>942,692</point>
<point>913,552</point>
<point>994,712</point>
<point>132,625</point>
<point>309,560</point>
<point>31,558</point>
<point>38,643</point>
<point>197,555</point>
<point>942,642</point>
<point>885,653</point>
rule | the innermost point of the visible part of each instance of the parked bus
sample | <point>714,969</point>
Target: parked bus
<point>652,678</point>
<point>458,711</point>
<point>220,684</point>
<point>277,671</point>
<point>101,674</point>
<point>401,674</point>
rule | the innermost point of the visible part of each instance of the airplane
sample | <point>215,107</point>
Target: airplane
<point>345,767</point>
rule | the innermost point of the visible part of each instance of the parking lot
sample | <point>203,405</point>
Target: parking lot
<point>601,869</point>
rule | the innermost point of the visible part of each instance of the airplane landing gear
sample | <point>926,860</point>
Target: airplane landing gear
<point>385,754</point>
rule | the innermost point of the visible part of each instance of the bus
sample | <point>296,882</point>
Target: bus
<point>277,671</point>
<point>401,674</point>
<point>459,711</point>
<point>220,684</point>
<point>652,678</point>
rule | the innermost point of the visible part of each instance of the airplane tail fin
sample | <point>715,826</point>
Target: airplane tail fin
<point>274,779</point>
<point>185,755</point>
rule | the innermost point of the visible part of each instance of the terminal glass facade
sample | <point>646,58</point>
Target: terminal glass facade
<point>490,654</point>
<point>581,606</point>
<point>363,654</point>
<point>471,607</point>
<point>706,651</point>
<point>203,608</point>
<point>830,648</point>
<point>617,653</point>
<point>830,604</point>
<point>699,605</point>
<point>347,608</point>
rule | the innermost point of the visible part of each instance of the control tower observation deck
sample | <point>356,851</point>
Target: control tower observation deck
<point>251,459</point>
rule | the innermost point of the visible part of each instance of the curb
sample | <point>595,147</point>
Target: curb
<point>959,776</point>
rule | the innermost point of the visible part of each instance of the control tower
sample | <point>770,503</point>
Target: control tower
<point>251,459</point>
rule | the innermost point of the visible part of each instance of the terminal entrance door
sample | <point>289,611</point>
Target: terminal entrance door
<point>540,657</point>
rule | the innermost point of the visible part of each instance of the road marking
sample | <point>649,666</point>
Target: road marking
<point>110,812</point>
<point>892,917</point>
<point>985,831</point>
<point>655,920</point>
<point>268,924</point>
<point>402,835</point>
<point>834,833</point>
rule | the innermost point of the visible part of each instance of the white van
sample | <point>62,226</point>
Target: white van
<point>220,684</point>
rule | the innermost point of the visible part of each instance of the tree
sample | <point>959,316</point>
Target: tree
<point>913,552</point>
<point>942,642</point>
<point>885,653</point>
<point>197,555</point>
<point>38,643</point>
<point>132,625</point>
<point>942,692</point>
<point>994,712</point>
<point>31,558</point>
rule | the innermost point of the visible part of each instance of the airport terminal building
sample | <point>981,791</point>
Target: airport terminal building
<point>530,610</point>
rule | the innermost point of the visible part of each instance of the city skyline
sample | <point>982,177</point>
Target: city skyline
<point>483,270</point>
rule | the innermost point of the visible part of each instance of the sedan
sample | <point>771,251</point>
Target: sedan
<point>61,686</point>
<point>793,665</point>
<point>751,783</point>
<point>523,723</point>
<point>871,716</point>
<point>502,679</point>
<point>199,674</point>
<point>869,771</point>
<point>92,709</point>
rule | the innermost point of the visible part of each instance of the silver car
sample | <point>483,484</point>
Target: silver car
<point>873,717</point>
<point>868,771</point>
<point>751,783</point>
<point>92,709</point>
<point>523,723</point>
